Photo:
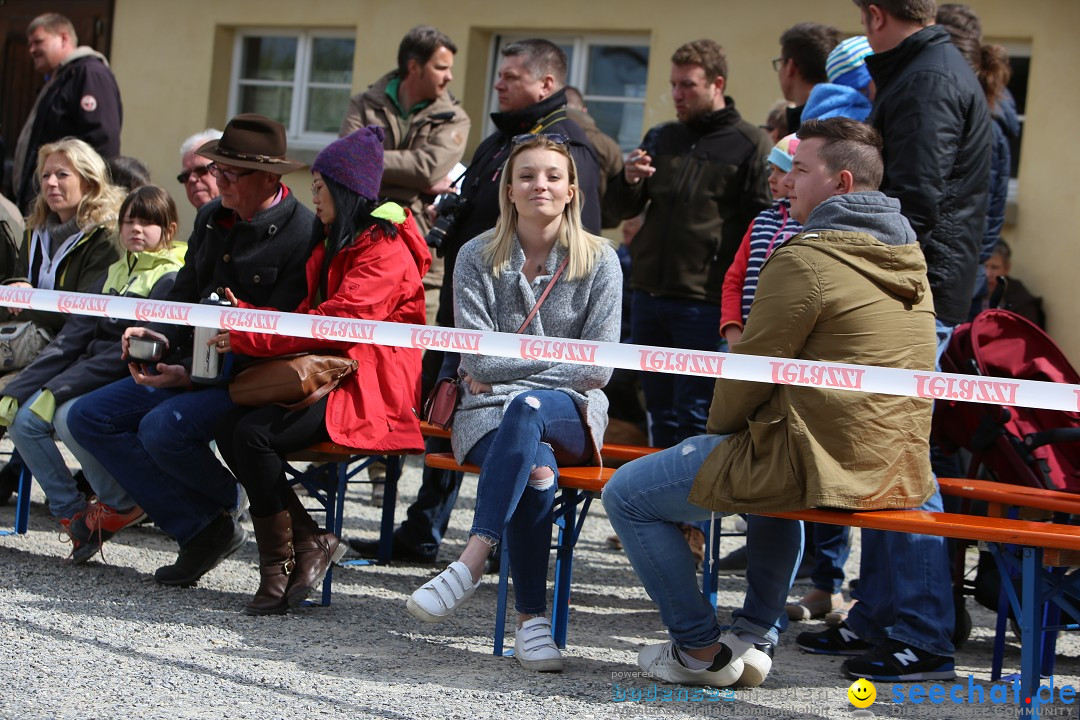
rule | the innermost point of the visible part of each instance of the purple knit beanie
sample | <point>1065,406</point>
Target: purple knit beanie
<point>355,161</point>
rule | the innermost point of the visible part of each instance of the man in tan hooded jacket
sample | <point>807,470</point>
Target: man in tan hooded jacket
<point>851,288</point>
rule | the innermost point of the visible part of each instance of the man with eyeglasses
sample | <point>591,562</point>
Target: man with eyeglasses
<point>152,431</point>
<point>530,86</point>
<point>199,185</point>
<point>804,50</point>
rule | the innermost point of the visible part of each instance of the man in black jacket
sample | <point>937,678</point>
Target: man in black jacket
<point>530,86</point>
<point>933,118</point>
<point>703,179</point>
<point>151,431</point>
<point>80,99</point>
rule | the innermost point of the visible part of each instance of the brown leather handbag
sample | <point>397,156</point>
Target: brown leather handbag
<point>442,401</point>
<point>292,381</point>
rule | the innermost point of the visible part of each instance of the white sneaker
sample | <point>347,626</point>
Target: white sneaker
<point>756,659</point>
<point>437,599</point>
<point>661,661</point>
<point>534,647</point>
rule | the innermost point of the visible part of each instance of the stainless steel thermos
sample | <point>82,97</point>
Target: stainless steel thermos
<point>205,358</point>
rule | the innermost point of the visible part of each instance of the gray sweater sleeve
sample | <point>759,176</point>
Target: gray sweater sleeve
<point>483,303</point>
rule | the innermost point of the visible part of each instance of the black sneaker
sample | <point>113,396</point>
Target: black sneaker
<point>369,549</point>
<point>837,640</point>
<point>894,661</point>
<point>220,539</point>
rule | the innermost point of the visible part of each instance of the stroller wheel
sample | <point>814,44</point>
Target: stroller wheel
<point>962,628</point>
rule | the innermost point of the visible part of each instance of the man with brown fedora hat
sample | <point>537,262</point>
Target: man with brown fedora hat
<point>152,431</point>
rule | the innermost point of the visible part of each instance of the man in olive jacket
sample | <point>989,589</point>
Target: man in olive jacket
<point>851,288</point>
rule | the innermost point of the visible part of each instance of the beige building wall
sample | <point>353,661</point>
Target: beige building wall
<point>172,61</point>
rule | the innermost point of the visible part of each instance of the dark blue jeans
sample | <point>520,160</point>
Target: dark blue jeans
<point>832,545</point>
<point>678,405</point>
<point>905,588</point>
<point>428,517</point>
<point>540,428</point>
<point>156,443</point>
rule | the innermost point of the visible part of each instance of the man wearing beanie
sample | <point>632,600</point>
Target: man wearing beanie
<point>152,431</point>
<point>849,91</point>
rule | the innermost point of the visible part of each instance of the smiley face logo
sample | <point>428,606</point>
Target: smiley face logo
<point>862,693</point>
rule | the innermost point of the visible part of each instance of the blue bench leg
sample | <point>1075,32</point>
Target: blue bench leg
<point>1030,635</point>
<point>709,580</point>
<point>500,608</point>
<point>386,527</point>
<point>564,566</point>
<point>22,504</point>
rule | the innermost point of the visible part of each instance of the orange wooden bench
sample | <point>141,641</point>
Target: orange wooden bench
<point>1043,544</point>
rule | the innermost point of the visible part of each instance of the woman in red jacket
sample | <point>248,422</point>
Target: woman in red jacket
<point>366,263</point>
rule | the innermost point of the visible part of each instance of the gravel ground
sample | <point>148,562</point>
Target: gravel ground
<point>104,641</point>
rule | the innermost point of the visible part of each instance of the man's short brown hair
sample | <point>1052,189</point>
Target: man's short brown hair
<point>920,11</point>
<point>849,145</point>
<point>706,53</point>
<point>54,24</point>
<point>540,57</point>
<point>808,45</point>
<point>420,44</point>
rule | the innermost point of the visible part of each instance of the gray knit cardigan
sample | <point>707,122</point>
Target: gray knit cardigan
<point>586,309</point>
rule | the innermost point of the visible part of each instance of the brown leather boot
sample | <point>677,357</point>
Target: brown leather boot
<point>316,551</point>
<point>277,563</point>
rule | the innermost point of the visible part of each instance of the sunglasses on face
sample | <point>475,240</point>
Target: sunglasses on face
<point>230,176</point>
<point>557,138</point>
<point>198,172</point>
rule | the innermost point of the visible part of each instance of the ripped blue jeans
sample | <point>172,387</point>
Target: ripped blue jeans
<point>540,429</point>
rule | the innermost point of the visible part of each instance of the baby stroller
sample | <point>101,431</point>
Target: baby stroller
<point>1024,446</point>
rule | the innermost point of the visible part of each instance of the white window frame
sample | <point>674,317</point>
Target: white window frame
<point>578,71</point>
<point>1015,48</point>
<point>296,137</point>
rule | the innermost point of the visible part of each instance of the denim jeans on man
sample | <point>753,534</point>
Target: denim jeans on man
<point>678,405</point>
<point>156,443</point>
<point>428,517</point>
<point>647,499</point>
<point>540,428</point>
<point>33,437</point>
<point>909,596</point>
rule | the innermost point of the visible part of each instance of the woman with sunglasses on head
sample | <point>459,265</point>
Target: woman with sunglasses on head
<point>520,418</point>
<point>367,263</point>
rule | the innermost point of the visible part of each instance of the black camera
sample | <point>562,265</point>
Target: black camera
<point>449,210</point>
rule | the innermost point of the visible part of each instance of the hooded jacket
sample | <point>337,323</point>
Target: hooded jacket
<point>852,288</point>
<point>710,183</point>
<point>419,152</point>
<point>378,277</point>
<point>932,115</point>
<point>82,100</point>
<point>86,354</point>
<point>480,186</point>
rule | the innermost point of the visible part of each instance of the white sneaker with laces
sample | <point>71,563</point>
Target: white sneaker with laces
<point>534,647</point>
<point>661,661</point>
<point>437,599</point>
<point>756,659</point>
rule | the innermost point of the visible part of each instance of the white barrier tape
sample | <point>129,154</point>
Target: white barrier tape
<point>838,376</point>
